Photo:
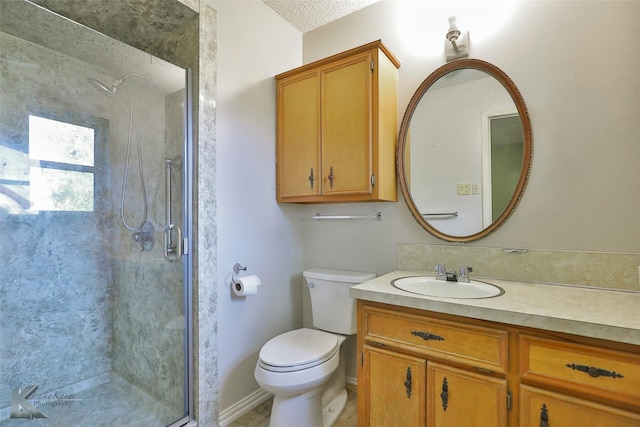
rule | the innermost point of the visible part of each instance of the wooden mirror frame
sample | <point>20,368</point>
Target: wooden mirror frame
<point>527,157</point>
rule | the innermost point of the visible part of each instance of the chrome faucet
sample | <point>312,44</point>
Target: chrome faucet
<point>464,274</point>
<point>442,273</point>
<point>450,276</point>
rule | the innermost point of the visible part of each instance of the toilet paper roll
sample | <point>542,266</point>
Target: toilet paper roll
<point>247,285</point>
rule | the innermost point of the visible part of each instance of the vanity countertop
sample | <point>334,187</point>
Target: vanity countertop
<point>596,313</point>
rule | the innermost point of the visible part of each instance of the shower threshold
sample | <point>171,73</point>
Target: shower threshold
<point>114,402</point>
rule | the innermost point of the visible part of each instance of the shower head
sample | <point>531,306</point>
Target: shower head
<point>101,86</point>
<point>111,90</point>
<point>126,76</point>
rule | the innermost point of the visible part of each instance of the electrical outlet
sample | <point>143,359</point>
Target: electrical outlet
<point>475,189</point>
<point>464,189</point>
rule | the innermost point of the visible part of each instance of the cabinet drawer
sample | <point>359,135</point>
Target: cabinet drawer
<point>475,346</point>
<point>592,370</point>
<point>557,409</point>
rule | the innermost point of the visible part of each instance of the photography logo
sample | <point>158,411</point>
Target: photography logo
<point>25,404</point>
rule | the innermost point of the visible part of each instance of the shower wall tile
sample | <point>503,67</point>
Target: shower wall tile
<point>205,206</point>
<point>139,23</point>
<point>180,46</point>
<point>595,269</point>
<point>148,327</point>
<point>148,300</point>
<point>55,280</point>
<point>55,301</point>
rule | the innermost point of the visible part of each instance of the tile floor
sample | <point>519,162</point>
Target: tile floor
<point>259,417</point>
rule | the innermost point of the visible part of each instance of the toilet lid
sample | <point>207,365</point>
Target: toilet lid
<point>298,349</point>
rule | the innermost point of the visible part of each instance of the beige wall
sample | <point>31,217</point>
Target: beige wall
<point>577,65</point>
<point>254,44</point>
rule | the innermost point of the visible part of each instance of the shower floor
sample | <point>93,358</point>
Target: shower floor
<point>112,403</point>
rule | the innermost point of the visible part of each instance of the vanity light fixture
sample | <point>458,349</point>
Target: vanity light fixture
<point>457,44</point>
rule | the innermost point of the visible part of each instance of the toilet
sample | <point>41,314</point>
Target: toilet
<point>304,368</point>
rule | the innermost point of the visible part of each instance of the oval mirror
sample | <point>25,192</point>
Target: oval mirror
<point>464,150</point>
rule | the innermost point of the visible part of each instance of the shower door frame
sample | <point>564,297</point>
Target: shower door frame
<point>187,215</point>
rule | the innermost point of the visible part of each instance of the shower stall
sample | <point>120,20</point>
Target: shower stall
<point>95,225</point>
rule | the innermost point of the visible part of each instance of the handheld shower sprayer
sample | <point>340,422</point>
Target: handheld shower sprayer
<point>132,125</point>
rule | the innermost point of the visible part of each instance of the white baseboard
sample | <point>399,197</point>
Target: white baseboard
<point>352,383</point>
<point>259,396</point>
<point>242,407</point>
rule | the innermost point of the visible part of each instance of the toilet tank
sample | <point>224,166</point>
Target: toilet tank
<point>332,307</point>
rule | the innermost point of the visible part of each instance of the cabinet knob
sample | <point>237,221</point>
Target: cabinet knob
<point>544,416</point>
<point>311,178</point>
<point>407,383</point>
<point>445,394</point>
<point>330,177</point>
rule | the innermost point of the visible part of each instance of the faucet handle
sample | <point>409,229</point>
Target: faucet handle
<point>464,274</point>
<point>441,272</point>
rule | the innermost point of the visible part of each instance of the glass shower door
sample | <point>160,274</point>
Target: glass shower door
<point>94,166</point>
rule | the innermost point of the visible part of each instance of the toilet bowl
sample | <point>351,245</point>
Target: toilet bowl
<point>294,367</point>
<point>304,368</point>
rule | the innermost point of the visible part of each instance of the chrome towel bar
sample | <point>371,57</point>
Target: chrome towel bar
<point>441,214</point>
<point>377,216</point>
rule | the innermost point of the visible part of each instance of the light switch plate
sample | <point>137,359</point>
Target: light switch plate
<point>464,189</point>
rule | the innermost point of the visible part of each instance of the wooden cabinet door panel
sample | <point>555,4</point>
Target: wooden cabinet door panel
<point>544,408</point>
<point>298,149</point>
<point>395,387</point>
<point>347,126</point>
<point>458,398</point>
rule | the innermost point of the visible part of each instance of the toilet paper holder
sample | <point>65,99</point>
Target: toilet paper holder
<point>244,286</point>
<point>236,269</point>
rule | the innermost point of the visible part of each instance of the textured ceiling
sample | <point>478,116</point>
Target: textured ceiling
<point>307,15</point>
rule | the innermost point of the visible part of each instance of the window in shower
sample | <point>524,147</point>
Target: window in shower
<point>62,165</point>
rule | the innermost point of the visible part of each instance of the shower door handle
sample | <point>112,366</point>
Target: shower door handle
<point>172,252</point>
<point>172,248</point>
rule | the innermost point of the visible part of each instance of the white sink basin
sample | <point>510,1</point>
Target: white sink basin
<point>429,286</point>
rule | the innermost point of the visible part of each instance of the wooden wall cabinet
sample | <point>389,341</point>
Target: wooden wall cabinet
<point>337,128</point>
<point>419,368</point>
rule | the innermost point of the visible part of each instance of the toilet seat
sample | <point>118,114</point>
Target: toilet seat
<point>297,350</point>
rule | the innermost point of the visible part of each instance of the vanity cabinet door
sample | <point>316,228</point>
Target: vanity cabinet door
<point>392,389</point>
<point>459,398</point>
<point>540,408</point>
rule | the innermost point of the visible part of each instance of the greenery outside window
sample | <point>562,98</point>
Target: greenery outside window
<point>62,165</point>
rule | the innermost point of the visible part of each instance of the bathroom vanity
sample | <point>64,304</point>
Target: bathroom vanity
<point>537,355</point>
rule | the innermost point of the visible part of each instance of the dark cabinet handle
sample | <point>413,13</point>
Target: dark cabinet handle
<point>427,336</point>
<point>311,178</point>
<point>544,416</point>
<point>445,394</point>
<point>593,371</point>
<point>331,176</point>
<point>407,383</point>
